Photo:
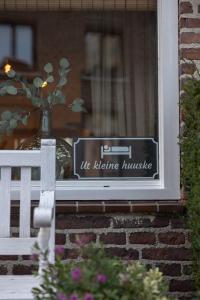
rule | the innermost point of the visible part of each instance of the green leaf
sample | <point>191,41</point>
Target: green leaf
<point>78,101</point>
<point>62,81</point>
<point>13,123</point>
<point>25,120</point>
<point>28,92</point>
<point>6,115</point>
<point>64,63</point>
<point>48,68</point>
<point>77,105</point>
<point>38,82</point>
<point>11,74</point>
<point>78,108</point>
<point>50,79</point>
<point>11,90</point>
<point>36,101</point>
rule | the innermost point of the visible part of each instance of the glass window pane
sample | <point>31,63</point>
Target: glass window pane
<point>5,42</point>
<point>113,67</point>
<point>24,46</point>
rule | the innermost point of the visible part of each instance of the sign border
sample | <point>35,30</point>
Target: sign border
<point>114,178</point>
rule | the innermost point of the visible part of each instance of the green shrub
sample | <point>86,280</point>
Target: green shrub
<point>99,277</point>
<point>190,152</point>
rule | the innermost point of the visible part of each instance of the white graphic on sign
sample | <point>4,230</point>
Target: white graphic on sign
<point>116,150</point>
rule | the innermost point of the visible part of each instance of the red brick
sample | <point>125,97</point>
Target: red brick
<point>141,222</point>
<point>171,238</point>
<point>181,285</point>
<point>193,53</point>
<point>186,7</point>
<point>85,238</point>
<point>187,68</point>
<point>132,222</point>
<point>143,208</point>
<point>190,37</point>
<point>176,254</point>
<point>90,207</point>
<point>160,221</point>
<point>65,207</point>
<point>187,269</point>
<point>24,270</point>
<point>170,269</point>
<point>117,207</point>
<point>8,257</point>
<point>3,270</point>
<point>189,23</point>
<point>178,223</point>
<point>123,253</point>
<point>142,238</point>
<point>60,239</point>
<point>80,222</point>
<point>113,238</point>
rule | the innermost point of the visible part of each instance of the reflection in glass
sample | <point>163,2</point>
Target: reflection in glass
<point>5,42</point>
<point>24,47</point>
<point>113,58</point>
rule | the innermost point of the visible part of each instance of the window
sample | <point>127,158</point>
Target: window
<point>17,43</point>
<point>124,64</point>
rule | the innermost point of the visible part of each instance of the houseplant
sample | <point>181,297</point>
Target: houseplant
<point>44,93</point>
<point>99,277</point>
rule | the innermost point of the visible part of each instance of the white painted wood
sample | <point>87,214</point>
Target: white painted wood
<point>17,158</point>
<point>17,287</point>
<point>43,243</point>
<point>43,214</point>
<point>25,202</point>
<point>48,165</point>
<point>169,97</point>
<point>17,246</point>
<point>5,202</point>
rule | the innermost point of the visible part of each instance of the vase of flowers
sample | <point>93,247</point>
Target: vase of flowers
<point>44,93</point>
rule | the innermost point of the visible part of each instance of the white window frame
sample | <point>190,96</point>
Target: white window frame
<point>168,186</point>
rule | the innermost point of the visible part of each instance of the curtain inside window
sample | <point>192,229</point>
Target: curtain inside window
<point>137,5</point>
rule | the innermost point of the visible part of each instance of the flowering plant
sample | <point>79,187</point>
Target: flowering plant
<point>99,277</point>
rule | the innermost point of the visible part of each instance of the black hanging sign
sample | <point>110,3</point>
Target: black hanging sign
<point>114,158</point>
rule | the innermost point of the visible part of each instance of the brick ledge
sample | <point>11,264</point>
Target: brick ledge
<point>104,207</point>
<point>114,206</point>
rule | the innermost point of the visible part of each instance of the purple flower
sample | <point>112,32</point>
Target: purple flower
<point>73,297</point>
<point>76,274</point>
<point>101,278</point>
<point>88,296</point>
<point>59,250</point>
<point>61,296</point>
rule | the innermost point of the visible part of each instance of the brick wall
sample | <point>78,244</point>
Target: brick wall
<point>153,232</point>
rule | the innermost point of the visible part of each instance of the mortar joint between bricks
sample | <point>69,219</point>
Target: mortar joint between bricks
<point>190,46</point>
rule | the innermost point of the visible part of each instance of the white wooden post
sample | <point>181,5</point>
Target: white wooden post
<point>44,215</point>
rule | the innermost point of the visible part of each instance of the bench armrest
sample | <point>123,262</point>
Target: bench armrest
<point>43,214</point>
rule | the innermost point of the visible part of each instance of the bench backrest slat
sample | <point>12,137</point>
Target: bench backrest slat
<point>25,202</point>
<point>25,160</point>
<point>5,202</point>
<point>18,158</point>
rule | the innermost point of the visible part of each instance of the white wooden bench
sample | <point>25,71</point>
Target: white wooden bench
<point>19,287</point>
